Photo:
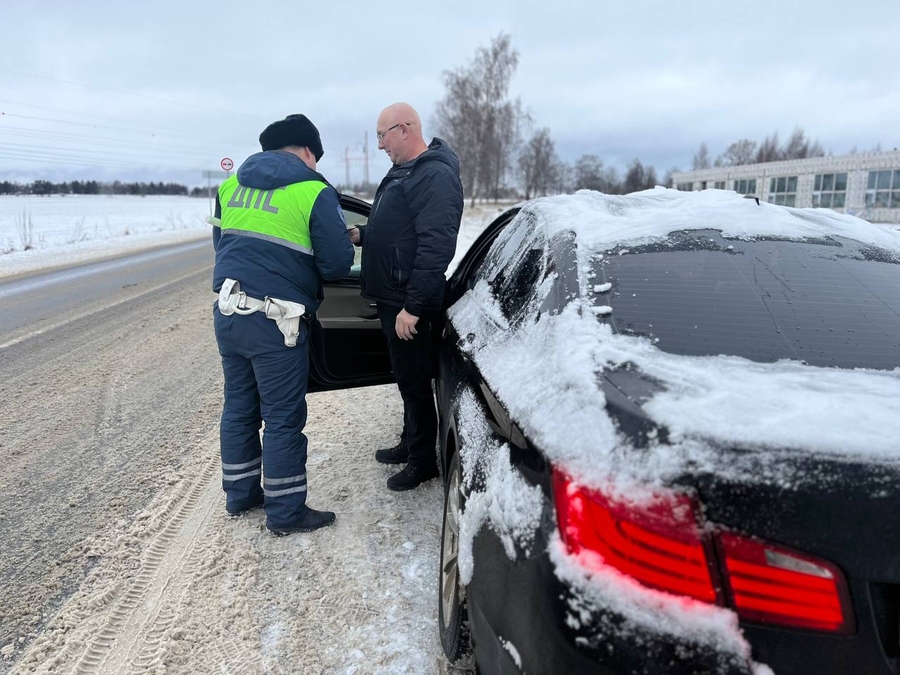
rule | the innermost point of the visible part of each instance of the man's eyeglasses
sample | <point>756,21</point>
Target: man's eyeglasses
<point>382,134</point>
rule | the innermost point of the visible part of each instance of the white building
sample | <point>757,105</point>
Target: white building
<point>865,185</point>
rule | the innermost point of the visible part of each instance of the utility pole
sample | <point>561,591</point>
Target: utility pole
<point>366,157</point>
<point>347,166</point>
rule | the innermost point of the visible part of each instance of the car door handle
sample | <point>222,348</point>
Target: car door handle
<point>371,304</point>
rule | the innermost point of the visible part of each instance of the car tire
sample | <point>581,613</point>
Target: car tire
<point>453,620</point>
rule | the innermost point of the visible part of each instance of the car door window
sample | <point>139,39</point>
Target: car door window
<point>514,266</point>
<point>354,219</point>
<point>516,286</point>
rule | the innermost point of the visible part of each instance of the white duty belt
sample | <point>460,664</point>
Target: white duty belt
<point>285,314</point>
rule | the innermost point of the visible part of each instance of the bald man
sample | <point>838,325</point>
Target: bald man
<point>407,245</point>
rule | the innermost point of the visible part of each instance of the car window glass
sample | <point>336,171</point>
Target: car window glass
<point>354,219</point>
<point>514,265</point>
<point>514,290</point>
<point>825,303</point>
<point>509,246</point>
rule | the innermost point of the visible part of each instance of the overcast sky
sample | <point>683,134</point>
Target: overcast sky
<point>164,90</point>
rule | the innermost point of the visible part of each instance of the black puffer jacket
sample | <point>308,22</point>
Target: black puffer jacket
<point>410,238</point>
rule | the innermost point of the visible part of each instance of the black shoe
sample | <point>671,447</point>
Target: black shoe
<point>396,455</point>
<point>411,477</point>
<point>311,520</point>
<point>236,509</point>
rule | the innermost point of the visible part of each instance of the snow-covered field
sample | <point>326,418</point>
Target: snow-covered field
<point>44,232</point>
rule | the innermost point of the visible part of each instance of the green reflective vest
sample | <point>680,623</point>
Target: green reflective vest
<point>280,215</point>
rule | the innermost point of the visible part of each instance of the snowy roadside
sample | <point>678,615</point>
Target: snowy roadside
<point>182,588</point>
<point>40,233</point>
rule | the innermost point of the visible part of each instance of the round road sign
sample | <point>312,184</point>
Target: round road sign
<point>227,164</point>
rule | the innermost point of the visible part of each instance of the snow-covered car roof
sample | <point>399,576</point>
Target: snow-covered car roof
<point>602,222</point>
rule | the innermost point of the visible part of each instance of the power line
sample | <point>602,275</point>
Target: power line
<point>68,112</point>
<point>95,126</point>
<point>100,154</point>
<point>54,153</point>
<point>19,156</point>
<point>115,91</point>
<point>50,157</point>
<point>17,131</point>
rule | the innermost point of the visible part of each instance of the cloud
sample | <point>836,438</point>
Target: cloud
<point>644,79</point>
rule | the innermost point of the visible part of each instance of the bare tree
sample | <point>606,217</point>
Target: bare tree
<point>479,121</point>
<point>635,177</point>
<point>797,146</point>
<point>611,183</point>
<point>768,150</point>
<point>563,177</point>
<point>669,178</point>
<point>458,120</point>
<point>589,173</point>
<point>738,153</point>
<point>650,179</point>
<point>701,159</point>
<point>504,139</point>
<point>538,164</point>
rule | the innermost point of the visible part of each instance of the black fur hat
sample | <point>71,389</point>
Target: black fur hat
<point>292,130</point>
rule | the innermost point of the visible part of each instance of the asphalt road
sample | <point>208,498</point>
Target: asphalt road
<point>41,302</point>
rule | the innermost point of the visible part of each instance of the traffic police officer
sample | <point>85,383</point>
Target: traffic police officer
<point>279,232</point>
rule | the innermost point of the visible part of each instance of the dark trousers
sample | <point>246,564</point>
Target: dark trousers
<point>264,380</point>
<point>411,363</point>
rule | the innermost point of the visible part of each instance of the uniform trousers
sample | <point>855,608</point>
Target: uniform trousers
<point>265,381</point>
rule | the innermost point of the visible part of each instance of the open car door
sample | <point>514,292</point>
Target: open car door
<point>346,346</point>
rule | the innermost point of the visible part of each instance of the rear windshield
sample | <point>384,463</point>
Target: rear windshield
<point>828,303</point>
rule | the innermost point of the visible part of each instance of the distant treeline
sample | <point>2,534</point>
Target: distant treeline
<point>92,187</point>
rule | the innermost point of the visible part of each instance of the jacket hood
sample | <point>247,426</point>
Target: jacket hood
<point>438,151</point>
<point>274,169</point>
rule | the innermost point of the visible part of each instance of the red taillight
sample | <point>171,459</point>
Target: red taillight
<point>659,546</point>
<point>662,546</point>
<point>773,585</point>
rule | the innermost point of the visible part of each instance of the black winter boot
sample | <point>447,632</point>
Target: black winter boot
<point>236,509</point>
<point>411,477</point>
<point>311,520</point>
<point>396,455</point>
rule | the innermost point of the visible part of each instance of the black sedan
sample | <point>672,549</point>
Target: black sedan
<point>669,436</point>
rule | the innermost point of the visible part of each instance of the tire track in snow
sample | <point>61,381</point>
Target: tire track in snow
<point>124,623</point>
<point>137,621</point>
